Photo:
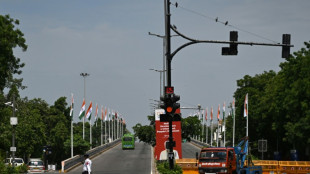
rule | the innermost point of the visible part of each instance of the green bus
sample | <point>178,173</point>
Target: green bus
<point>128,141</point>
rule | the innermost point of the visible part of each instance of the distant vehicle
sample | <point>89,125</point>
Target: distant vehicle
<point>17,162</point>
<point>128,141</point>
<point>36,165</point>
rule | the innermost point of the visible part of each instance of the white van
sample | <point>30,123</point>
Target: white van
<point>36,165</point>
<point>18,161</point>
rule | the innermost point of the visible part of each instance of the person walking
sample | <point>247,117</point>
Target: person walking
<point>87,165</point>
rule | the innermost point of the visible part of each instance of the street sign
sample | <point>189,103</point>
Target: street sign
<point>262,145</point>
<point>13,149</point>
<point>13,120</point>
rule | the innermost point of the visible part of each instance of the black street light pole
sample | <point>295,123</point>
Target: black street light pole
<point>168,63</point>
<point>231,50</point>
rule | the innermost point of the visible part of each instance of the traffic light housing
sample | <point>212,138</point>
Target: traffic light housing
<point>286,39</point>
<point>170,105</point>
<point>233,47</point>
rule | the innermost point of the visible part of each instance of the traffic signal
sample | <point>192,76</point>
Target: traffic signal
<point>233,47</point>
<point>286,39</point>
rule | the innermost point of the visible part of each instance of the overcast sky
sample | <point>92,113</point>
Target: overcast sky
<point>109,40</point>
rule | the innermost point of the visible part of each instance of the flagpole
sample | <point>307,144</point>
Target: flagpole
<point>211,132</point>
<point>234,122</point>
<point>90,134</point>
<point>105,131</point>
<point>71,137</point>
<point>247,124</point>
<point>224,121</point>
<point>109,126</point>
<point>71,114</point>
<point>101,130</point>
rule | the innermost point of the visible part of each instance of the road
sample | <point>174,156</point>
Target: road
<point>117,161</point>
<point>189,150</point>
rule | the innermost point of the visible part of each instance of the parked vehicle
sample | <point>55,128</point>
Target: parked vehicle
<point>36,165</point>
<point>17,161</point>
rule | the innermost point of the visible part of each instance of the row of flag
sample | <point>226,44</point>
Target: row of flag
<point>104,111</point>
<point>245,113</point>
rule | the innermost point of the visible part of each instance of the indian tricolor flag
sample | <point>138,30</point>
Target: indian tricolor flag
<point>82,112</point>
<point>72,105</point>
<point>96,114</point>
<point>89,111</point>
<point>246,105</point>
<point>211,116</point>
<point>102,113</point>
<point>105,114</point>
<point>218,113</point>
<point>206,114</point>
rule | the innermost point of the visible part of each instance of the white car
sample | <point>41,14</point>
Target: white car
<point>36,165</point>
<point>17,162</point>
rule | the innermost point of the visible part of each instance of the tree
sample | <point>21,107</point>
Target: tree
<point>190,127</point>
<point>10,38</point>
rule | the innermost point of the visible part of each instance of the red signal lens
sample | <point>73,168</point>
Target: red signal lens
<point>169,109</point>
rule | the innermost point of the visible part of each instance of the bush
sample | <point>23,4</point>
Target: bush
<point>163,168</point>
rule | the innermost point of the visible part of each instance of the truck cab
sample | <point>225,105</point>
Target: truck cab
<point>217,160</point>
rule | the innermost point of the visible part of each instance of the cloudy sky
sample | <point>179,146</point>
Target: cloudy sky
<point>109,40</point>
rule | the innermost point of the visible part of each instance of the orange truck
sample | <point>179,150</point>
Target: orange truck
<point>226,160</point>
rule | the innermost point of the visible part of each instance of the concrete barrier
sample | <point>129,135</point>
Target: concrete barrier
<point>77,160</point>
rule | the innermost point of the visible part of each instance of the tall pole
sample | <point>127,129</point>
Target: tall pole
<point>105,131</point>
<point>13,135</point>
<point>234,116</point>
<point>168,63</point>
<point>72,136</point>
<point>101,130</point>
<point>84,75</point>
<point>211,132</point>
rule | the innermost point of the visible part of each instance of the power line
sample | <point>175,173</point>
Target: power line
<point>222,22</point>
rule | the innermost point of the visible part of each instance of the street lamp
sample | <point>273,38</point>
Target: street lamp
<point>84,75</point>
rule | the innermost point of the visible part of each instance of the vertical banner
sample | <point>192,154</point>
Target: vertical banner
<point>162,136</point>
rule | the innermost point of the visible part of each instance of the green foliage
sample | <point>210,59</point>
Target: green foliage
<point>163,168</point>
<point>145,133</point>
<point>10,38</point>
<point>279,108</point>
<point>190,127</point>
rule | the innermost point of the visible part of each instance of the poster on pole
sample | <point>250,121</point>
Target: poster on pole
<point>162,136</point>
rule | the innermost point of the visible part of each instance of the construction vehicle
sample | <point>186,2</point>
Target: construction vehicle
<point>226,160</point>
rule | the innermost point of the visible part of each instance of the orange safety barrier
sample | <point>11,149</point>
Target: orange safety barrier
<point>188,165</point>
<point>294,167</point>
<point>269,167</point>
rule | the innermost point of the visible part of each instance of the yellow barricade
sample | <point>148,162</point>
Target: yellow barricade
<point>269,167</point>
<point>188,165</point>
<point>294,167</point>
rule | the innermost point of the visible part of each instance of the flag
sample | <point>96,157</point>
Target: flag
<point>82,112</point>
<point>89,111</point>
<point>218,113</point>
<point>246,106</point>
<point>96,114</point>
<point>211,113</point>
<point>105,114</point>
<point>233,107</point>
<point>102,113</point>
<point>72,105</point>
<point>206,116</point>
<point>224,110</point>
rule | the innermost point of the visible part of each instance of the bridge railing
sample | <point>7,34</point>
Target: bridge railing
<point>70,163</point>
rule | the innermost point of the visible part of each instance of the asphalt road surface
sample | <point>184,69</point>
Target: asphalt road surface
<point>189,150</point>
<point>118,161</point>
